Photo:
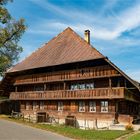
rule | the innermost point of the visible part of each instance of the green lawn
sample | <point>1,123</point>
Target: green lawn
<point>135,137</point>
<point>85,134</point>
<point>75,132</point>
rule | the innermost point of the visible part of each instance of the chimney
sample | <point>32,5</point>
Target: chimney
<point>87,36</point>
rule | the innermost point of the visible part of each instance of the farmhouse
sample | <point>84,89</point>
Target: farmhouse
<point>69,78</point>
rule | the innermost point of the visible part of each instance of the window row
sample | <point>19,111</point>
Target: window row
<point>81,106</point>
<point>82,86</point>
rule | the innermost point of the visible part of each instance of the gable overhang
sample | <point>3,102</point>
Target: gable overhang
<point>136,84</point>
<point>48,67</point>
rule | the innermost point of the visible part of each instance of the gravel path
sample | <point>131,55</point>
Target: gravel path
<point>125,137</point>
<point>14,131</point>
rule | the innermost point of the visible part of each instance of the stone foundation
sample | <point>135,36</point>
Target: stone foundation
<point>92,121</point>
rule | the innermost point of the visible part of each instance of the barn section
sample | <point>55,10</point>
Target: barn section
<point>68,78</point>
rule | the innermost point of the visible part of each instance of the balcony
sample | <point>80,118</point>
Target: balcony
<point>101,93</point>
<point>86,73</point>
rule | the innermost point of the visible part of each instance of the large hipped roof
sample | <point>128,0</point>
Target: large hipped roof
<point>65,48</point>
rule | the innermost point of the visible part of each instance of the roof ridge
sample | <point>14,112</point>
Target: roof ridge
<point>68,28</point>
<point>86,41</point>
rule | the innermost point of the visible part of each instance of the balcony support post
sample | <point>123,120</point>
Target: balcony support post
<point>44,87</point>
<point>64,85</point>
<point>125,84</point>
<point>16,89</point>
<point>110,83</point>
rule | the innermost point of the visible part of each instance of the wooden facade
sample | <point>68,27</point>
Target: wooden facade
<point>79,85</point>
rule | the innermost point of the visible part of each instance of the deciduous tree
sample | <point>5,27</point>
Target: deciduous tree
<point>11,31</point>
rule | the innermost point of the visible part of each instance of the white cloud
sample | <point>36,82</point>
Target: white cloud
<point>105,28</point>
<point>134,74</point>
<point>129,19</point>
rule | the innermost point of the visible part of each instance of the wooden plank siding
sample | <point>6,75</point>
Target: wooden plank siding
<point>85,73</point>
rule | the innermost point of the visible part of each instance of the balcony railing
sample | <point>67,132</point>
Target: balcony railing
<point>102,93</point>
<point>96,72</point>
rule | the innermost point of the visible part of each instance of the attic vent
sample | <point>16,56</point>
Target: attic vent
<point>87,36</point>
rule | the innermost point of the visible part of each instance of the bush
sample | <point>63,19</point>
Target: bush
<point>129,127</point>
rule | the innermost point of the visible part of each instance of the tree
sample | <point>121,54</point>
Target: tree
<point>11,31</point>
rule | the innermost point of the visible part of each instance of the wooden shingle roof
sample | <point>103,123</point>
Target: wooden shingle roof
<point>67,47</point>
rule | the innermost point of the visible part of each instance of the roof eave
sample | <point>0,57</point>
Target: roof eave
<point>126,76</point>
<point>10,72</point>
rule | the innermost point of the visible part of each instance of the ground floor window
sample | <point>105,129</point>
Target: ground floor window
<point>104,106</point>
<point>27,105</point>
<point>34,105</point>
<point>81,106</point>
<point>41,105</point>
<point>60,106</point>
<point>92,106</point>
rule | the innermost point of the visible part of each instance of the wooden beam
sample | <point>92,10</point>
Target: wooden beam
<point>64,85</point>
<point>118,84</point>
<point>44,87</point>
<point>16,89</point>
<point>125,84</point>
<point>110,82</point>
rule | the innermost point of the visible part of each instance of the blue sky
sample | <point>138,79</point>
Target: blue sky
<point>114,26</point>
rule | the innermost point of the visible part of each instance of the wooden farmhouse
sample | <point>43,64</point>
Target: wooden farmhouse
<point>69,78</point>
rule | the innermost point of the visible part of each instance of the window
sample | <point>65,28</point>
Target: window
<point>81,106</point>
<point>92,106</point>
<point>34,105</point>
<point>82,86</point>
<point>60,106</point>
<point>90,86</point>
<point>39,88</point>
<point>104,106</point>
<point>41,105</point>
<point>72,87</point>
<point>27,105</point>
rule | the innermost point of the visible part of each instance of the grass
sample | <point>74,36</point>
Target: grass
<point>75,132</point>
<point>134,137</point>
<point>85,134</point>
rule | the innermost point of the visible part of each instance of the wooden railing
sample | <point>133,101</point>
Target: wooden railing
<point>104,93</point>
<point>94,72</point>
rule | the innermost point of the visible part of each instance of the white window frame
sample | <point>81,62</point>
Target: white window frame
<point>34,105</point>
<point>104,106</point>
<point>82,107</point>
<point>41,105</point>
<point>27,105</point>
<point>60,106</point>
<point>92,106</point>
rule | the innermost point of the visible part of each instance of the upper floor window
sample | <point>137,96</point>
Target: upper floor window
<point>60,106</point>
<point>81,106</point>
<point>39,88</point>
<point>104,106</point>
<point>92,106</point>
<point>90,86</point>
<point>81,86</point>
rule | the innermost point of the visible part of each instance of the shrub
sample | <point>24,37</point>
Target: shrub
<point>129,127</point>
